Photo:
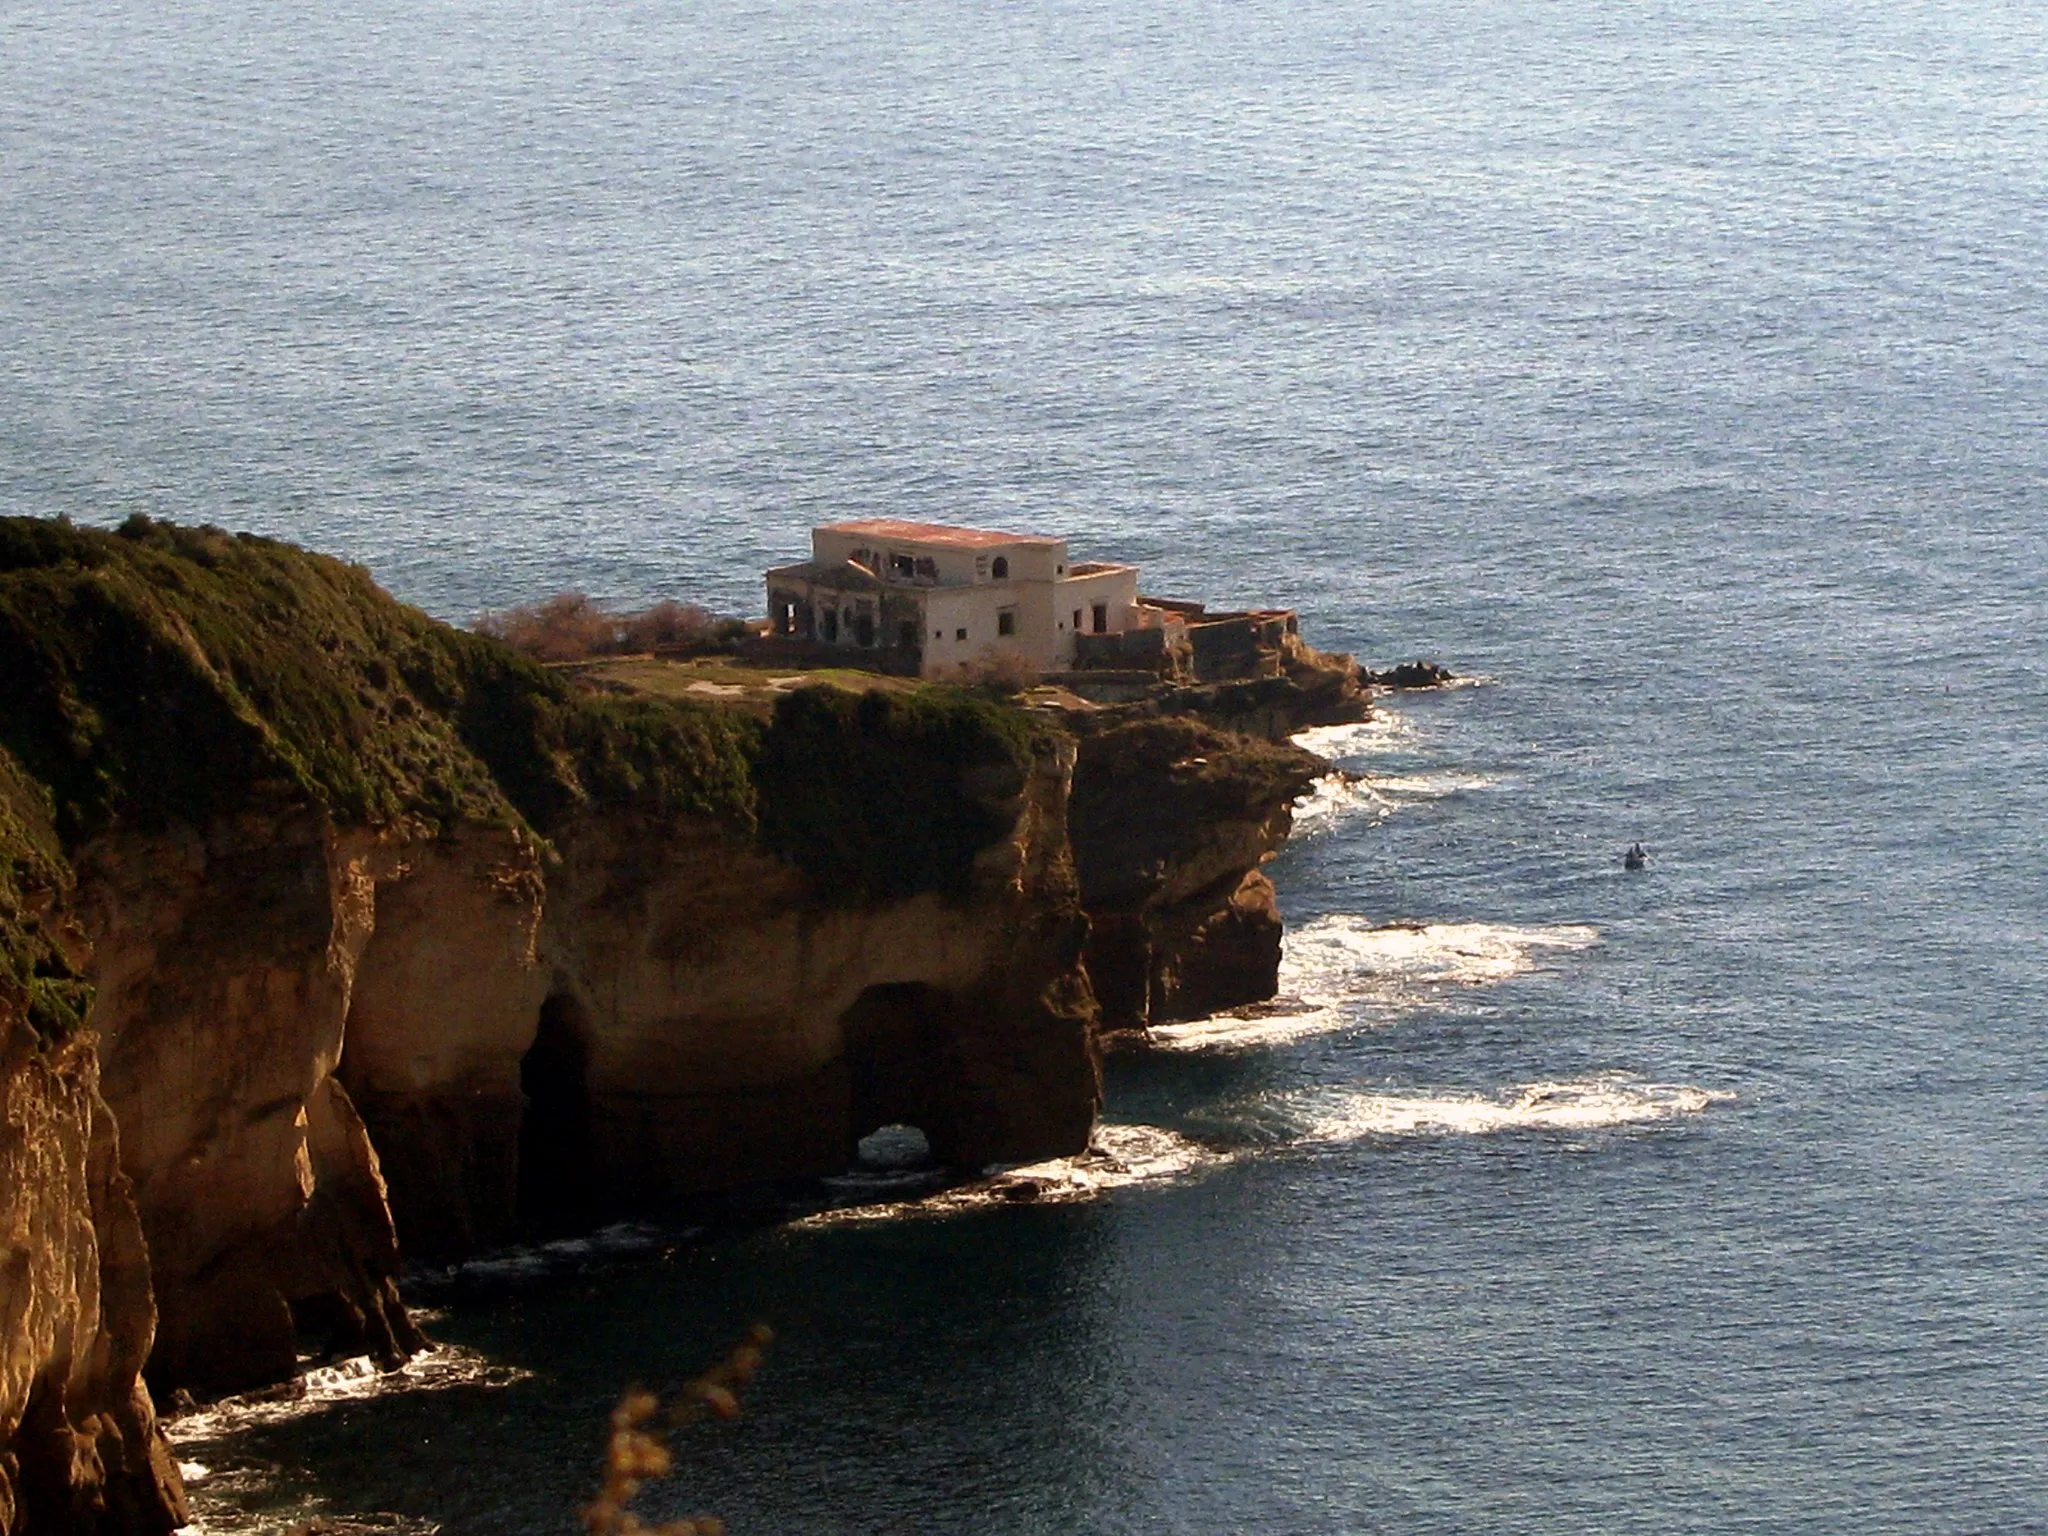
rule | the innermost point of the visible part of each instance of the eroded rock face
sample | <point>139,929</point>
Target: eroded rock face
<point>224,965</point>
<point>697,1016</point>
<point>80,1450</point>
<point>1170,822</point>
<point>447,998</point>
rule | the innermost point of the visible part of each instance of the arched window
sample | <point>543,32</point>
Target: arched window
<point>1001,569</point>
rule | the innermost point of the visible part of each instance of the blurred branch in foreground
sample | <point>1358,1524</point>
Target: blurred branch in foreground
<point>638,1447</point>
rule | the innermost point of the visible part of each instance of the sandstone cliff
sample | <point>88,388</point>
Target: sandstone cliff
<point>1171,820</point>
<point>79,1445</point>
<point>377,938</point>
<point>675,1009</point>
<point>571,955</point>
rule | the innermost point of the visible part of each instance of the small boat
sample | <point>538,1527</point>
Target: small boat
<point>1637,857</point>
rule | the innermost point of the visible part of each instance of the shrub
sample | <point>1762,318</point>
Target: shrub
<point>570,627</point>
<point>885,795</point>
<point>565,627</point>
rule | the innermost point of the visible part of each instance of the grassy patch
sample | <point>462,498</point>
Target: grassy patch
<point>157,675</point>
<point>35,977</point>
<point>886,794</point>
<point>161,674</point>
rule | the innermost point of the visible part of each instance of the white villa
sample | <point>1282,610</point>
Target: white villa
<point>948,597</point>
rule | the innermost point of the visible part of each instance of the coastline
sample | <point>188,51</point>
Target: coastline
<point>389,947</point>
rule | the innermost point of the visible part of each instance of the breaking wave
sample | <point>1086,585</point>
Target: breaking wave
<point>232,1493</point>
<point>1118,1156</point>
<point>1398,787</point>
<point>1335,798</point>
<point>436,1369</point>
<point>1585,1104</point>
<point>1342,953</point>
<point>1384,732</point>
<point>1338,970</point>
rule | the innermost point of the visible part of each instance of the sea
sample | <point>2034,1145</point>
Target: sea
<point>1676,373</point>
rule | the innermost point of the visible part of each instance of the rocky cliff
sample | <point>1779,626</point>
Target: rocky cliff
<point>1170,821</point>
<point>372,937</point>
<point>79,1445</point>
<point>370,915</point>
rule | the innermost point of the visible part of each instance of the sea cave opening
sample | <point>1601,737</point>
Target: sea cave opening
<point>900,1046</point>
<point>555,1186</point>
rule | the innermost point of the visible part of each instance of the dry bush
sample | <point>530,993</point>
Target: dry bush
<point>637,1448</point>
<point>565,627</point>
<point>999,672</point>
<point>570,627</point>
<point>666,623</point>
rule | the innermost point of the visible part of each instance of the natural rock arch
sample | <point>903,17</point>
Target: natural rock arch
<point>900,1039</point>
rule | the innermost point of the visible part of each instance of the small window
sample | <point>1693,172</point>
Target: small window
<point>902,565</point>
<point>1001,569</point>
<point>1059,570</point>
<point>938,634</point>
<point>1077,618</point>
<point>959,634</point>
<point>1006,622</point>
<point>1101,618</point>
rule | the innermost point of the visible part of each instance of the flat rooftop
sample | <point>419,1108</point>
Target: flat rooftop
<point>932,533</point>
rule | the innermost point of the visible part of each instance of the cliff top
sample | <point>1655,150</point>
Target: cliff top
<point>156,675</point>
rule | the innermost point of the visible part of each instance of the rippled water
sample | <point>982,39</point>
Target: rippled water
<point>1679,370</point>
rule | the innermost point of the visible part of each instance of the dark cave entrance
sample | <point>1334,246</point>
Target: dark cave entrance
<point>900,1048</point>
<point>554,1131</point>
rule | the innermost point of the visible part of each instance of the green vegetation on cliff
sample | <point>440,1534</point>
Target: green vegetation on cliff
<point>158,675</point>
<point>161,674</point>
<point>36,979</point>
<point>880,795</point>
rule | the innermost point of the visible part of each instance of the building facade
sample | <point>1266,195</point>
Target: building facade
<point>948,598</point>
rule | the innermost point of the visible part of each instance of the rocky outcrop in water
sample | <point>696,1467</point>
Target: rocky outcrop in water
<point>1170,822</point>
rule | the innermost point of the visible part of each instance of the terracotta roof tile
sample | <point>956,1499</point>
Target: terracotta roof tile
<point>932,533</point>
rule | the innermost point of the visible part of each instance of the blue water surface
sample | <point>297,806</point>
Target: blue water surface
<point>1680,370</point>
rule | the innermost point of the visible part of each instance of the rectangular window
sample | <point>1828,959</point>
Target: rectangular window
<point>1077,618</point>
<point>959,634</point>
<point>1101,618</point>
<point>1006,622</point>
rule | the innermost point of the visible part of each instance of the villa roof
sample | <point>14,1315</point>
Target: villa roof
<point>932,533</point>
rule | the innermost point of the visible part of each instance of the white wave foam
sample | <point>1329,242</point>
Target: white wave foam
<point>1242,1029</point>
<point>1335,968</point>
<point>1340,955</point>
<point>1118,1156</point>
<point>1338,797</point>
<point>1428,786</point>
<point>1334,798</point>
<point>435,1370</point>
<point>1384,732</point>
<point>1586,1104</point>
